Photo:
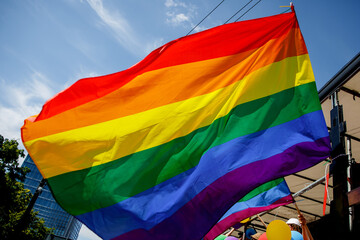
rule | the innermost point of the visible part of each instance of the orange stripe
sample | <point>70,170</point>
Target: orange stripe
<point>221,41</point>
<point>175,83</point>
<point>103,142</point>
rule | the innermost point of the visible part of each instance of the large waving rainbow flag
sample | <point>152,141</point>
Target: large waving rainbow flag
<point>163,149</point>
<point>268,196</point>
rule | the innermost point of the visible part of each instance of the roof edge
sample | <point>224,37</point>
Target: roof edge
<point>340,78</point>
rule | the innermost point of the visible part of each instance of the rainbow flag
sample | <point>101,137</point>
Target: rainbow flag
<point>163,149</point>
<point>268,196</point>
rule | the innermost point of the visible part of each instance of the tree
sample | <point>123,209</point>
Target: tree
<point>14,198</point>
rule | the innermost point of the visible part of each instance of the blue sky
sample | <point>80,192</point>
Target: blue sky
<point>45,46</point>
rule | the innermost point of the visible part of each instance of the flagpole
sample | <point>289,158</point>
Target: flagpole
<point>309,187</point>
<point>230,232</point>
<point>261,220</point>
<point>292,7</point>
<point>305,228</point>
<point>297,194</point>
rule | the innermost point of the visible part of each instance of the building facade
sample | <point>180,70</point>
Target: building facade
<point>55,217</point>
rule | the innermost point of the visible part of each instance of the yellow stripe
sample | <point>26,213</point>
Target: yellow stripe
<point>173,84</point>
<point>101,143</point>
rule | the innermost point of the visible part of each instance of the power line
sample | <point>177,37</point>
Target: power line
<point>238,11</point>
<point>248,10</point>
<point>205,17</point>
<point>232,15</point>
<point>286,11</point>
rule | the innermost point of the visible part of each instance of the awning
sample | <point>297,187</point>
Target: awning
<point>347,85</point>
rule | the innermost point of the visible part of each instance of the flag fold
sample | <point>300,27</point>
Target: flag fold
<point>266,197</point>
<point>163,149</point>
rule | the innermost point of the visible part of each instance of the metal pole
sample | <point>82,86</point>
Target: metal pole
<point>349,154</point>
<point>298,193</point>
<point>334,99</point>
<point>24,220</point>
<point>307,188</point>
<point>339,208</point>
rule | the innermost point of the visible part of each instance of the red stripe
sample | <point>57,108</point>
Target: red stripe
<point>213,43</point>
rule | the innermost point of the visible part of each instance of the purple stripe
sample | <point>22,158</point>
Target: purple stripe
<point>206,208</point>
<point>221,226</point>
<point>147,209</point>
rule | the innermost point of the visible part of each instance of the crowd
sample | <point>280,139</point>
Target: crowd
<point>297,226</point>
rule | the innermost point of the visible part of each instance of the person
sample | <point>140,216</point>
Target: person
<point>249,232</point>
<point>302,220</point>
<point>305,230</point>
<point>300,226</point>
<point>294,225</point>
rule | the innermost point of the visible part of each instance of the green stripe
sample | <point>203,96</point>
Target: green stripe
<point>104,185</point>
<point>263,188</point>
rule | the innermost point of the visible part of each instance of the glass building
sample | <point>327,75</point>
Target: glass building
<point>55,217</point>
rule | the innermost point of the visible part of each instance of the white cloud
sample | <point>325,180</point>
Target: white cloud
<point>176,19</point>
<point>180,14</point>
<point>119,27</point>
<point>181,17</point>
<point>20,102</point>
<point>86,234</point>
<point>172,3</point>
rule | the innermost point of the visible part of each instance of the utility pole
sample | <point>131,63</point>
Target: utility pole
<point>24,221</point>
<point>339,208</point>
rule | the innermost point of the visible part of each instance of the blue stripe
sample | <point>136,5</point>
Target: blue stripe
<point>150,207</point>
<point>261,200</point>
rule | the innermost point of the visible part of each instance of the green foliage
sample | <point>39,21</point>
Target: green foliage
<point>14,198</point>
<point>9,155</point>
